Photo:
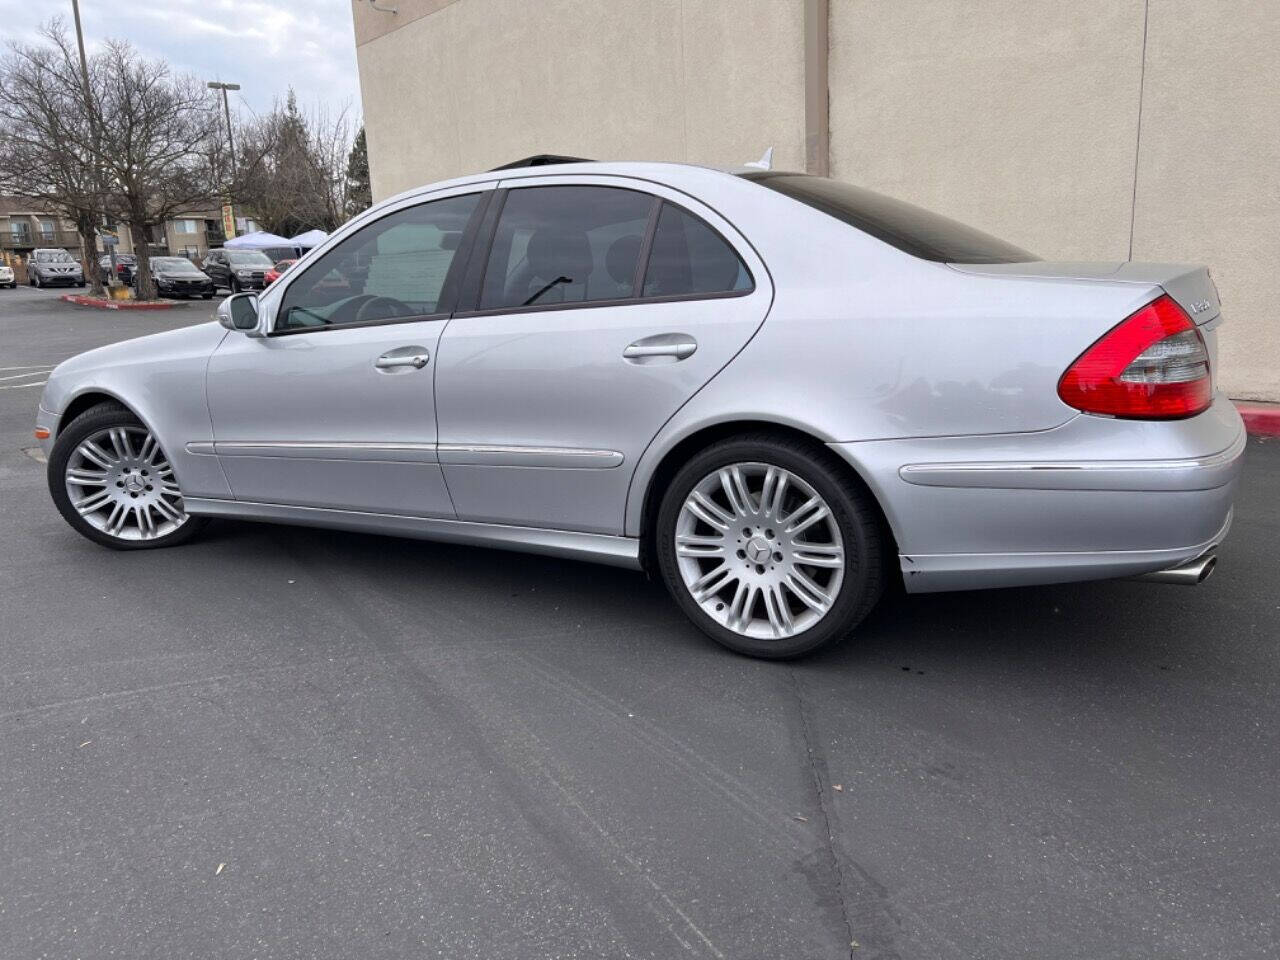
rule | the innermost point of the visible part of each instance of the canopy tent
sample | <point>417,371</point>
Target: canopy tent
<point>259,241</point>
<point>312,238</point>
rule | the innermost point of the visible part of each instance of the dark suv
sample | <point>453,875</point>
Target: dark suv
<point>237,269</point>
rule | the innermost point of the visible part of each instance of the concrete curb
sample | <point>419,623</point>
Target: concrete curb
<point>1262,419</point>
<point>83,301</point>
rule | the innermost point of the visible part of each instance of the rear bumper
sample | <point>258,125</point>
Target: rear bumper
<point>1092,499</point>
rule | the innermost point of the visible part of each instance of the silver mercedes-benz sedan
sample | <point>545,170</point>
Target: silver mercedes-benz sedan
<point>778,392</point>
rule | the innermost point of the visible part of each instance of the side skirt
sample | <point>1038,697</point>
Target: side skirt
<point>595,547</point>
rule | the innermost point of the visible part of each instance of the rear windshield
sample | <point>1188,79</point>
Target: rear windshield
<point>911,229</point>
<point>249,258</point>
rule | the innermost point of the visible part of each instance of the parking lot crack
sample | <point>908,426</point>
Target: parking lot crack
<point>850,882</point>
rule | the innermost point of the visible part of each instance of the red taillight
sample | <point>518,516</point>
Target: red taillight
<point>1153,366</point>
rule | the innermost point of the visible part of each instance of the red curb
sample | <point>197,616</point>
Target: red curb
<point>84,301</point>
<point>1262,419</point>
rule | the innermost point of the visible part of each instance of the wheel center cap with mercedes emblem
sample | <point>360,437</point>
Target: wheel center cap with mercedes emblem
<point>757,550</point>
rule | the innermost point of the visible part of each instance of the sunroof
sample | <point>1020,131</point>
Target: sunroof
<point>542,160</point>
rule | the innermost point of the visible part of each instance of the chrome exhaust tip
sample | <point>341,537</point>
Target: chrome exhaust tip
<point>1188,574</point>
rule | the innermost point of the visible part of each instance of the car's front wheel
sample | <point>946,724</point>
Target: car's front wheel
<point>768,547</point>
<point>112,481</point>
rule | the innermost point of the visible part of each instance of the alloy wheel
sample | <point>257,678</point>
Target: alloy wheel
<point>759,550</point>
<point>121,483</point>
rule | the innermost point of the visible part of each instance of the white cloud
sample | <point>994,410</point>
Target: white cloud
<point>264,45</point>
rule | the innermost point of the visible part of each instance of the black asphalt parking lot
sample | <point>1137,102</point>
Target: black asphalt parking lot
<point>287,743</point>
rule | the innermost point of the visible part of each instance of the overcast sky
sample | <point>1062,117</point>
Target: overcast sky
<point>264,45</point>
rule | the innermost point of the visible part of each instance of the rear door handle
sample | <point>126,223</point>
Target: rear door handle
<point>403,358</point>
<point>668,347</point>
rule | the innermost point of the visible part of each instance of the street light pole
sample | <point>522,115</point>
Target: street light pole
<point>226,111</point>
<point>231,140</point>
<point>91,253</point>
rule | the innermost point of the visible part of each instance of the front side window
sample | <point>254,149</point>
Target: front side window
<point>394,268</point>
<point>689,258</point>
<point>570,244</point>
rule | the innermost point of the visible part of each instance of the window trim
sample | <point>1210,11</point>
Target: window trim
<point>449,290</point>
<point>473,289</point>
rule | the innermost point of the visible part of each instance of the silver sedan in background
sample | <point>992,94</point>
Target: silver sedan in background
<point>777,391</point>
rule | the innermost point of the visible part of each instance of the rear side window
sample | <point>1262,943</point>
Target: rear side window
<point>911,229</point>
<point>689,258</point>
<point>569,244</point>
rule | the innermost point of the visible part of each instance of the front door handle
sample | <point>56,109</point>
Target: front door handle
<point>403,358</point>
<point>665,347</point>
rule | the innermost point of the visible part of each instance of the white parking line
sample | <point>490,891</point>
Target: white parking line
<point>37,366</point>
<point>19,386</point>
<point>24,376</point>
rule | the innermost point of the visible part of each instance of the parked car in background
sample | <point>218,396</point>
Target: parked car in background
<point>6,277</point>
<point>53,266</point>
<point>126,266</point>
<point>776,391</point>
<point>274,273</point>
<point>237,269</point>
<point>178,277</point>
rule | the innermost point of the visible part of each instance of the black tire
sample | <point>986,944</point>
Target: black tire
<point>854,513</point>
<point>89,422</point>
<point>206,296</point>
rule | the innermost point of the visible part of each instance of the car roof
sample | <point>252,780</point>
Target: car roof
<point>660,172</point>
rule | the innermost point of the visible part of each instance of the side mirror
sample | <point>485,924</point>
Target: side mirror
<point>240,312</point>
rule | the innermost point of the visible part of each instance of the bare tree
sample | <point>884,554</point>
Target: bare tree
<point>160,146</point>
<point>47,137</point>
<point>293,168</point>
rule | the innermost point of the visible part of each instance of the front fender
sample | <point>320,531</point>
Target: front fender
<point>161,379</point>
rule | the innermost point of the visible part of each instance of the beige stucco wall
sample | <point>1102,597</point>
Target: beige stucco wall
<point>1209,169</point>
<point>1022,117</point>
<point>477,83</point>
<point>1019,116</point>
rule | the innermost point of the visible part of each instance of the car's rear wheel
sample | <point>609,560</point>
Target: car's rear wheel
<point>768,547</point>
<point>114,484</point>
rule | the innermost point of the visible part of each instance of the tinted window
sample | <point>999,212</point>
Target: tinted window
<point>688,257</point>
<point>565,245</point>
<point>911,229</point>
<point>394,268</point>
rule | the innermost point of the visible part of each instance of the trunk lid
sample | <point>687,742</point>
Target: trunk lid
<point>1188,283</point>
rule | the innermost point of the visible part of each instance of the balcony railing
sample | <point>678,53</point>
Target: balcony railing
<point>11,240</point>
